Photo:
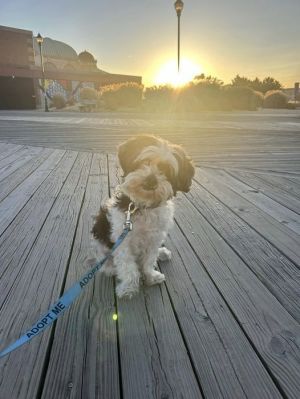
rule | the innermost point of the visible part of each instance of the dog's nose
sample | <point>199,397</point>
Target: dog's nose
<point>150,183</point>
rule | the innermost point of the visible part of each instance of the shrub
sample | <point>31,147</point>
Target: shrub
<point>159,98</point>
<point>58,101</point>
<point>88,93</point>
<point>122,95</point>
<point>207,93</point>
<point>258,99</point>
<point>275,99</point>
<point>291,106</point>
<point>239,98</point>
<point>203,93</point>
<point>71,101</point>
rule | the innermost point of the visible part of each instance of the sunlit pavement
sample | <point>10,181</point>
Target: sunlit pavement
<point>208,136</point>
<point>264,119</point>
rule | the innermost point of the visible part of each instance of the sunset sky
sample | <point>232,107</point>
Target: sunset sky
<point>220,37</point>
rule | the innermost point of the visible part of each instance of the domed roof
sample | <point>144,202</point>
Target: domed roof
<point>55,49</point>
<point>86,58</point>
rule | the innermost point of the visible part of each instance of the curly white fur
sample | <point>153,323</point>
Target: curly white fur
<point>154,171</point>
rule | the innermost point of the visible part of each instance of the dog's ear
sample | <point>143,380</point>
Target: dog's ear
<point>186,169</point>
<point>130,150</point>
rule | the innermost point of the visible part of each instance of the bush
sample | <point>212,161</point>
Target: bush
<point>258,99</point>
<point>275,99</point>
<point>291,106</point>
<point>71,101</point>
<point>203,93</point>
<point>122,95</point>
<point>58,101</point>
<point>239,98</point>
<point>159,98</point>
<point>88,93</point>
<point>207,92</point>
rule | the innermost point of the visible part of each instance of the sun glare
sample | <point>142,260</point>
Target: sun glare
<point>168,73</point>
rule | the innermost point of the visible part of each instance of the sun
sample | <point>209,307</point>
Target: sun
<point>168,73</point>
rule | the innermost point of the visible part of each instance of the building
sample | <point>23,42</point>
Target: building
<point>65,70</point>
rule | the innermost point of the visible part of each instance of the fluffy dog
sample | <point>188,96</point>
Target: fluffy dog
<point>154,171</point>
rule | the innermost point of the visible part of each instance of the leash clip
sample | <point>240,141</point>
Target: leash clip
<point>128,223</point>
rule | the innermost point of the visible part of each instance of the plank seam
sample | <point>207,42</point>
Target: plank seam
<point>272,377</point>
<point>32,194</point>
<point>183,336</point>
<point>29,174</point>
<point>37,235</point>
<point>249,225</point>
<point>52,333</point>
<point>204,307</point>
<point>262,192</point>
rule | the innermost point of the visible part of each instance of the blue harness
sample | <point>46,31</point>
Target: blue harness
<point>69,297</point>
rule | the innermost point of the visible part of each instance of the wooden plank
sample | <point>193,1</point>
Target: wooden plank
<point>9,183</point>
<point>269,166</point>
<point>17,240</point>
<point>273,332</point>
<point>226,146</point>
<point>278,273</point>
<point>16,200</point>
<point>85,364</point>
<point>9,160</point>
<point>17,161</point>
<point>9,150</point>
<point>38,286</point>
<point>154,360</point>
<point>281,181</point>
<point>226,364</point>
<point>289,175</point>
<point>278,234</point>
<point>153,357</point>
<point>277,188</point>
<point>279,212</point>
<point>4,147</point>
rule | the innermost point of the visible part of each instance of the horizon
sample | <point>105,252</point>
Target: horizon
<point>232,45</point>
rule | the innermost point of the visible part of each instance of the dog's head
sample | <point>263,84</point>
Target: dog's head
<point>154,170</point>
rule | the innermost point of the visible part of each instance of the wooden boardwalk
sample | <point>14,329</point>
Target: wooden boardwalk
<point>226,324</point>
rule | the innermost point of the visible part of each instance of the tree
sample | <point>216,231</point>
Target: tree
<point>256,84</point>
<point>241,81</point>
<point>270,84</point>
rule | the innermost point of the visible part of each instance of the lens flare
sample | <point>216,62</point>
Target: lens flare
<point>168,73</point>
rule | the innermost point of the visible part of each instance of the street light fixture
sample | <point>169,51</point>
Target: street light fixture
<point>40,40</point>
<point>178,7</point>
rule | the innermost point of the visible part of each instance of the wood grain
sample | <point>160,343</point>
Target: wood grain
<point>84,352</point>
<point>40,285</point>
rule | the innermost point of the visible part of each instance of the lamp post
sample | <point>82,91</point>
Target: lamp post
<point>40,40</point>
<point>178,7</point>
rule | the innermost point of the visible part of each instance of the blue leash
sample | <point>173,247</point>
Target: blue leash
<point>57,309</point>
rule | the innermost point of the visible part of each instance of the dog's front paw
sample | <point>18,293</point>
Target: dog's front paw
<point>109,270</point>
<point>164,254</point>
<point>126,290</point>
<point>154,277</point>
